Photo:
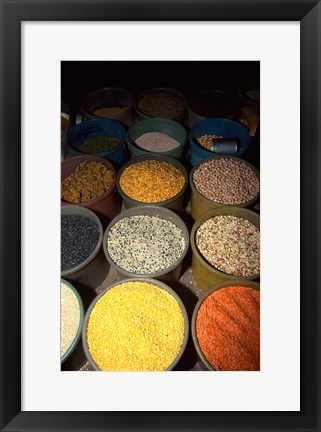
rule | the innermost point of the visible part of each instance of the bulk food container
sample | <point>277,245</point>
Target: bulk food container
<point>108,204</point>
<point>211,103</point>
<point>110,102</point>
<point>205,274</point>
<point>101,137</point>
<point>165,126</point>
<point>93,270</point>
<point>148,307</point>
<point>72,318</point>
<point>216,346</point>
<point>219,127</point>
<point>138,184</point>
<point>136,248</point>
<point>200,204</point>
<point>161,102</point>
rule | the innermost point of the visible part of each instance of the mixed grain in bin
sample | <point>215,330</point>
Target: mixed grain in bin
<point>138,324</point>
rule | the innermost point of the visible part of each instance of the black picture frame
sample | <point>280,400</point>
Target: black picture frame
<point>13,13</point>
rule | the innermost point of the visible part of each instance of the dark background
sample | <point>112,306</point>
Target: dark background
<point>79,78</point>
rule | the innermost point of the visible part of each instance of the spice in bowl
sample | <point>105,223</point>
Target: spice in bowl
<point>69,319</point>
<point>226,181</point>
<point>151,181</point>
<point>89,181</point>
<point>161,104</point>
<point>230,244</point>
<point>98,144</point>
<point>79,238</point>
<point>144,244</point>
<point>228,329</point>
<point>156,142</point>
<point>206,141</point>
<point>135,326</point>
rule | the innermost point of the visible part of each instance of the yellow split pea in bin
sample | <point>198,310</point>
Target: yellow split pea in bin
<point>153,180</point>
<point>135,325</point>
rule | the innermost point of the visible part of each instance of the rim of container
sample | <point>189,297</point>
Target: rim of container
<point>140,212</point>
<point>130,141</point>
<point>199,92</point>
<point>95,92</point>
<point>161,90</point>
<point>81,320</point>
<point>159,284</point>
<point>242,204</point>
<point>107,152</point>
<point>204,218</point>
<point>92,158</point>
<point>94,217</point>
<point>249,284</point>
<point>176,163</point>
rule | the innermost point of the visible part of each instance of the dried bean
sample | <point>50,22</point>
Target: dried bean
<point>145,244</point>
<point>156,142</point>
<point>230,244</point>
<point>151,181</point>
<point>226,181</point>
<point>228,329</point>
<point>89,181</point>
<point>135,326</point>
<point>79,237</point>
<point>98,144</point>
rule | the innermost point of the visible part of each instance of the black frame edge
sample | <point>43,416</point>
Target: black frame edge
<point>12,13</point>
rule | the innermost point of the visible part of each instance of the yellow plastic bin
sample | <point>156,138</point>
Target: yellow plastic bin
<point>200,205</point>
<point>204,274</point>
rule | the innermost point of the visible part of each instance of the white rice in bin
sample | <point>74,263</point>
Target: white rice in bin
<point>69,317</point>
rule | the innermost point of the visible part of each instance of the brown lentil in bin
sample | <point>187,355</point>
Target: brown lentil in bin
<point>151,181</point>
<point>226,181</point>
<point>230,244</point>
<point>228,329</point>
<point>160,104</point>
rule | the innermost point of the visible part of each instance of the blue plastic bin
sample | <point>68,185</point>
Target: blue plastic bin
<point>220,127</point>
<point>94,128</point>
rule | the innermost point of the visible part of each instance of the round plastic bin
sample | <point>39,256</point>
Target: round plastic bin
<point>109,97</point>
<point>175,203</point>
<point>199,204</point>
<point>211,103</point>
<point>170,274</point>
<point>151,281</point>
<point>219,127</point>
<point>81,132</point>
<point>107,205</point>
<point>94,269</point>
<point>81,320</point>
<point>204,274</point>
<point>163,125</point>
<point>202,361</point>
<point>179,116</point>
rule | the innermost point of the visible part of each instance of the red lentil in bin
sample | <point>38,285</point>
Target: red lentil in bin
<point>228,328</point>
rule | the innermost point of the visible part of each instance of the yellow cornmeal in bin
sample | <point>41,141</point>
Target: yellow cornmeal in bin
<point>151,181</point>
<point>135,326</point>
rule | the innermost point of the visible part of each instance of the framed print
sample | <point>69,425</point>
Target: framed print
<point>39,41</point>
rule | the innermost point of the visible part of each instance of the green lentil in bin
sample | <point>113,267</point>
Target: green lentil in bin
<point>147,242</point>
